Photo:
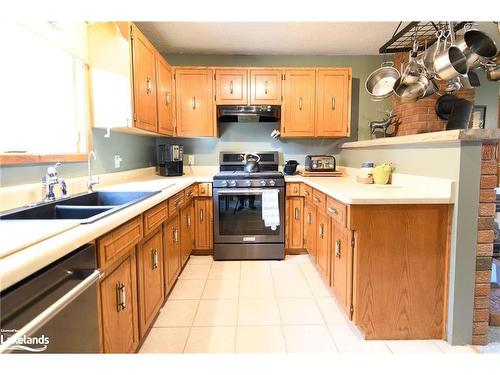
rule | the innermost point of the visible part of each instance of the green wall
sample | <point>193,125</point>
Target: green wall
<point>487,94</point>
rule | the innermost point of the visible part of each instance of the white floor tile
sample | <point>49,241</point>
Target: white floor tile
<point>211,340</point>
<point>165,340</point>
<point>319,288</point>
<point>454,349</point>
<point>299,311</point>
<point>219,312</point>
<point>309,270</point>
<point>308,339</point>
<point>300,258</point>
<point>177,313</point>
<point>258,312</point>
<point>257,288</point>
<point>347,341</point>
<point>286,270</point>
<point>255,269</point>
<point>225,270</point>
<point>195,272</point>
<point>413,346</point>
<point>200,259</point>
<point>260,339</point>
<point>221,289</point>
<point>292,287</point>
<point>331,310</point>
<point>187,289</point>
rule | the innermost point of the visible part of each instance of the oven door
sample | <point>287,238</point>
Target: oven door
<point>238,216</point>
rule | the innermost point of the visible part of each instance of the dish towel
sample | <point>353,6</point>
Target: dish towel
<point>270,208</point>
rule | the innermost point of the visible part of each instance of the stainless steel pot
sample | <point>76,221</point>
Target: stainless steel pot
<point>476,44</point>
<point>432,88</point>
<point>450,63</point>
<point>410,92</point>
<point>380,83</point>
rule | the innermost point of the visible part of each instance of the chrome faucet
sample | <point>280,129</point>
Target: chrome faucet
<point>91,181</point>
<point>50,180</point>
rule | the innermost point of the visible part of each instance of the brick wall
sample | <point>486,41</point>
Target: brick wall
<point>420,117</point>
<point>484,249</point>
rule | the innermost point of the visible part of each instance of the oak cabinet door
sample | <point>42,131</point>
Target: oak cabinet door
<point>322,243</point>
<point>186,232</point>
<point>298,110</point>
<point>194,98</point>
<point>203,223</point>
<point>231,86</point>
<point>294,223</point>
<point>171,239</point>
<point>164,96</point>
<point>144,82</point>
<point>265,86</point>
<point>333,103</point>
<point>150,277</point>
<point>310,229</point>
<point>341,265</point>
<point>118,308</point>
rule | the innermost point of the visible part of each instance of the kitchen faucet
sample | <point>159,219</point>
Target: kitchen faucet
<point>50,180</point>
<point>91,181</point>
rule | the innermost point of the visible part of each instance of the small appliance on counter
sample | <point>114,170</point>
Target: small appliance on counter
<point>170,160</point>
<point>290,167</point>
<point>320,163</point>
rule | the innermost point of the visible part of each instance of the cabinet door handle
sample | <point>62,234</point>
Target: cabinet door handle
<point>333,210</point>
<point>201,215</point>
<point>149,86</point>
<point>176,237</point>
<point>296,213</point>
<point>295,190</point>
<point>154,259</point>
<point>333,103</point>
<point>265,87</point>
<point>231,87</point>
<point>190,193</point>
<point>309,218</point>
<point>167,98</point>
<point>321,230</point>
<point>300,104</point>
<point>202,190</point>
<point>188,220</point>
<point>121,296</point>
<point>337,248</point>
<point>193,102</point>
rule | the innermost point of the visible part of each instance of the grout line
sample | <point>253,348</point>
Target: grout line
<point>279,311</point>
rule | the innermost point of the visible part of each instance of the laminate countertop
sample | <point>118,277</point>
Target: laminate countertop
<point>33,254</point>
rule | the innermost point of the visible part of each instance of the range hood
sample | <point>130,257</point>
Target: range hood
<point>248,113</point>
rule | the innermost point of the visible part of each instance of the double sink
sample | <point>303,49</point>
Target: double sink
<point>87,207</point>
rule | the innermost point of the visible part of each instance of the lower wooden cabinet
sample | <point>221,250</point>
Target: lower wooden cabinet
<point>187,231</point>
<point>310,229</point>
<point>150,279</point>
<point>294,228</point>
<point>172,251</point>
<point>118,294</point>
<point>203,209</point>
<point>322,243</point>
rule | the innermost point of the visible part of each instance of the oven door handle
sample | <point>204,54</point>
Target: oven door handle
<point>50,311</point>
<point>243,191</point>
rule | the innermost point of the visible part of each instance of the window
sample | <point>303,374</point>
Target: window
<point>48,110</point>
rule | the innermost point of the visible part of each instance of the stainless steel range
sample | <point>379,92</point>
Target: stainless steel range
<point>249,209</point>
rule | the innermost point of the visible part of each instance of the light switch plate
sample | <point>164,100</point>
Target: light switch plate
<point>190,159</point>
<point>118,160</point>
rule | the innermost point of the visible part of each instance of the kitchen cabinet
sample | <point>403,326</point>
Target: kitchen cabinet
<point>294,228</point>
<point>265,86</point>
<point>298,109</point>
<point>203,208</point>
<point>323,233</point>
<point>310,229</point>
<point>333,102</point>
<point>187,231</point>
<point>150,279</point>
<point>118,296</point>
<point>231,86</point>
<point>165,96</point>
<point>194,101</point>
<point>172,251</point>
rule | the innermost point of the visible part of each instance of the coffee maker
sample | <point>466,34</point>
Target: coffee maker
<point>170,160</point>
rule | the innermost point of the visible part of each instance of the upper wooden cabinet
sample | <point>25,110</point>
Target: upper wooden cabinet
<point>165,96</point>
<point>333,102</point>
<point>265,86</point>
<point>231,86</point>
<point>195,108</point>
<point>298,109</point>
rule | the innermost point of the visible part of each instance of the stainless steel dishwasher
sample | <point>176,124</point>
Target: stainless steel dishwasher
<point>54,310</point>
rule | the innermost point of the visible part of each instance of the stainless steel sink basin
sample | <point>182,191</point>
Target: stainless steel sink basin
<point>88,207</point>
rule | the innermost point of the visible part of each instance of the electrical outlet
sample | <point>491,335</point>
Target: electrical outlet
<point>118,160</point>
<point>190,159</point>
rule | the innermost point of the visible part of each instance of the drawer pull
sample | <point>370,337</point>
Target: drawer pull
<point>231,91</point>
<point>190,193</point>
<point>154,259</point>
<point>296,213</point>
<point>306,193</point>
<point>337,248</point>
<point>178,203</point>
<point>333,210</point>
<point>316,199</point>
<point>121,296</point>
<point>265,87</point>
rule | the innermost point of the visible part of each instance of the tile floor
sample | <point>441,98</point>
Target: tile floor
<point>262,307</point>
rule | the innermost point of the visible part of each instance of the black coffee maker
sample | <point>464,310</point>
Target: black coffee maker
<point>170,160</point>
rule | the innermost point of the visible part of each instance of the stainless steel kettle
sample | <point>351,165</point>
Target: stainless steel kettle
<point>251,162</point>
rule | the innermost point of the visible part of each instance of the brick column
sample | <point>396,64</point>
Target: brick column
<point>484,250</point>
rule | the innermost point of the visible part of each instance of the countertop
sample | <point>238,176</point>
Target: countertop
<point>29,257</point>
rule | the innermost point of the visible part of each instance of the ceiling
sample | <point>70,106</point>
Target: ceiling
<point>269,38</point>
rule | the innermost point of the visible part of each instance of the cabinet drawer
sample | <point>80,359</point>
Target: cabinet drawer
<point>205,189</point>
<point>175,202</point>
<point>319,198</point>
<point>336,210</point>
<point>154,217</point>
<point>306,191</point>
<point>293,189</point>
<point>112,245</point>
<point>189,193</point>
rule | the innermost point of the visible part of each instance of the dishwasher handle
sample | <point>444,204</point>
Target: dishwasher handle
<point>50,311</point>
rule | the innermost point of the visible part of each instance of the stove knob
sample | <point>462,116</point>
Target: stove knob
<point>223,183</point>
<point>272,182</point>
<point>232,183</point>
<point>248,183</point>
<point>262,182</point>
